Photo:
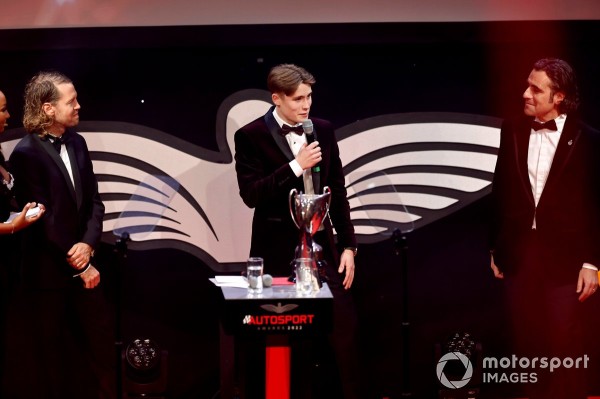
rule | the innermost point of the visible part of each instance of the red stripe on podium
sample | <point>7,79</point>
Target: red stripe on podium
<point>277,372</point>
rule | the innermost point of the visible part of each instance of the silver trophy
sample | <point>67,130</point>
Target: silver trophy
<point>308,212</point>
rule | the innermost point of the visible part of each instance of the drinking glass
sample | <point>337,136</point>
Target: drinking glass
<point>254,273</point>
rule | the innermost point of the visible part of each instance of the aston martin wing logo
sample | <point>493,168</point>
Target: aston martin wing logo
<point>402,171</point>
<point>279,308</point>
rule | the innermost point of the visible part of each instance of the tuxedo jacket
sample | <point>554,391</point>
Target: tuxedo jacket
<point>567,214</point>
<point>73,214</point>
<point>265,180</point>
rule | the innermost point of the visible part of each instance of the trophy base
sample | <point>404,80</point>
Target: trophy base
<point>321,273</point>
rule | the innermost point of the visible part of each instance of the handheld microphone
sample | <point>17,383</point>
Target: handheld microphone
<point>307,126</point>
<point>311,136</point>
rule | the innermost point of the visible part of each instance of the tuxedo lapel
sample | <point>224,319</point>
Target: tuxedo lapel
<point>316,176</point>
<point>76,174</point>
<point>49,148</point>
<point>521,141</point>
<point>564,150</point>
<point>273,128</point>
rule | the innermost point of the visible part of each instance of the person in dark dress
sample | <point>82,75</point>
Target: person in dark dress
<point>8,228</point>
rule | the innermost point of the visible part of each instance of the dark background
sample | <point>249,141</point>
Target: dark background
<point>362,70</point>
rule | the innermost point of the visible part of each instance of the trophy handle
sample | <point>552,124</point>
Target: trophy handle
<point>327,190</point>
<point>293,193</point>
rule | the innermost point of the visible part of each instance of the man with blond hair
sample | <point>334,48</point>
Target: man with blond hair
<point>53,166</point>
<point>273,156</point>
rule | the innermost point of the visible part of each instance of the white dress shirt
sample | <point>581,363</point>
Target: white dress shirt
<point>542,147</point>
<point>295,141</point>
<point>64,155</point>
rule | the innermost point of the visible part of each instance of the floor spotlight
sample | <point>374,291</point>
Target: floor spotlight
<point>144,369</point>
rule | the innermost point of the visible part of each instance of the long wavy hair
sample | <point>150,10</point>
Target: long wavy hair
<point>41,89</point>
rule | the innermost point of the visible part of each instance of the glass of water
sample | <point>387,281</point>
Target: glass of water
<point>254,273</point>
<point>304,275</point>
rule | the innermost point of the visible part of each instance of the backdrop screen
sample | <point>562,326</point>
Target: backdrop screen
<point>99,13</point>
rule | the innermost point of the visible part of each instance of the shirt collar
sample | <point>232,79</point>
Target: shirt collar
<point>560,122</point>
<point>280,121</point>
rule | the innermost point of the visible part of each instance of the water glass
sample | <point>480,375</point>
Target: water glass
<point>254,273</point>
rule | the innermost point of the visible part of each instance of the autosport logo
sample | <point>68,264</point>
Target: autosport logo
<point>279,320</point>
<point>455,383</point>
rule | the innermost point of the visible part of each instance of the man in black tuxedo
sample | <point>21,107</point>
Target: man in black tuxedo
<point>271,161</point>
<point>546,229</point>
<point>52,164</point>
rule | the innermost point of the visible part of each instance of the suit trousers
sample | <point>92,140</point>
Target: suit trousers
<point>65,344</point>
<point>546,321</point>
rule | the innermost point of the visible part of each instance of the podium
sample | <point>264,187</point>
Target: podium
<point>271,318</point>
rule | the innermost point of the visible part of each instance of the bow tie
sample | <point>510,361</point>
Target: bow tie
<point>285,129</point>
<point>56,142</point>
<point>550,125</point>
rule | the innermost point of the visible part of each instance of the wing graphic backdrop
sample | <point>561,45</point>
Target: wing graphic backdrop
<point>402,171</point>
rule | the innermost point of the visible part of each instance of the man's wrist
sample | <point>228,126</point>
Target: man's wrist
<point>353,249</point>
<point>83,271</point>
<point>589,266</point>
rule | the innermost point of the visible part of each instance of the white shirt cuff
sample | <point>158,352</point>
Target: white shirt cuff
<point>296,168</point>
<point>9,184</point>
<point>589,266</point>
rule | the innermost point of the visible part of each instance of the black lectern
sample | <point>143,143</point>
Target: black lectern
<point>276,315</point>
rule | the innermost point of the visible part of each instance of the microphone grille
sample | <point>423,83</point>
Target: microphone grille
<point>307,126</point>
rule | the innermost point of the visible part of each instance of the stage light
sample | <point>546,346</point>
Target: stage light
<point>144,369</point>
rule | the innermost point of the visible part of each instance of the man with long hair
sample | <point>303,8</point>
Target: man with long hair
<point>546,225</point>
<point>66,306</point>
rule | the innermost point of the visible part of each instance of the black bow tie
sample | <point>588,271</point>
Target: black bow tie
<point>285,129</point>
<point>56,142</point>
<point>550,125</point>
